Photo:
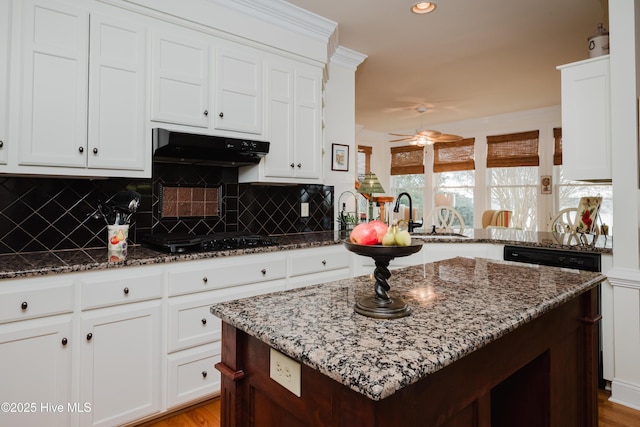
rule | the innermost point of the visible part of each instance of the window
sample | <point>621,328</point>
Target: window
<point>364,161</point>
<point>570,192</point>
<point>512,163</point>
<point>454,164</point>
<point>407,175</point>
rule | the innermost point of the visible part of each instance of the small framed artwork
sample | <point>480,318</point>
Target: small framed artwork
<point>339,157</point>
<point>545,184</point>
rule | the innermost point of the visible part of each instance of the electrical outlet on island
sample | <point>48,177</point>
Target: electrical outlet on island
<point>285,371</point>
<point>304,210</point>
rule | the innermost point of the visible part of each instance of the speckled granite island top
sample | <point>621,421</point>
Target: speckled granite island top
<point>459,305</point>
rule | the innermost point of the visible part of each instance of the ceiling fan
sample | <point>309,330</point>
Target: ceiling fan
<point>426,136</point>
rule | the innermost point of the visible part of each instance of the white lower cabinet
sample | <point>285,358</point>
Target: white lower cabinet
<point>192,375</point>
<point>318,265</point>
<point>120,363</point>
<point>36,375</point>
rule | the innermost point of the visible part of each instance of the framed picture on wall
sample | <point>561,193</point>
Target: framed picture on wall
<point>339,157</point>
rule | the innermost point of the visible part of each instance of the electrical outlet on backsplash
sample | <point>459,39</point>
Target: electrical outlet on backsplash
<point>43,214</point>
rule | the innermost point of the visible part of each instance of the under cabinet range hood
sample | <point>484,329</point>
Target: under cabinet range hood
<point>179,147</point>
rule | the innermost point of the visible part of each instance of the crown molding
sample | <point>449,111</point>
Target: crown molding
<point>347,57</point>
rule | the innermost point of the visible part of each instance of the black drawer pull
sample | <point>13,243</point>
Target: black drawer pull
<point>24,305</point>
<point>204,374</point>
<point>64,341</point>
<point>204,279</point>
<point>263,271</point>
<point>126,291</point>
<point>89,336</point>
<point>324,262</point>
<point>204,321</point>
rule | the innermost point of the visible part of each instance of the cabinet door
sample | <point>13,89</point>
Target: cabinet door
<point>308,124</point>
<point>180,80</point>
<point>120,363</point>
<point>238,91</point>
<point>279,161</point>
<point>5,37</point>
<point>54,84</point>
<point>586,120</point>
<point>36,371</point>
<point>117,96</point>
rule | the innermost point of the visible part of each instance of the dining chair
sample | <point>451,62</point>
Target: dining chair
<point>496,218</point>
<point>446,220</point>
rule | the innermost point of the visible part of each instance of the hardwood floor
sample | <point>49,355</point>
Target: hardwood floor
<point>207,414</point>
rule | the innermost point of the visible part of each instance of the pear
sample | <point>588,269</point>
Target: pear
<point>389,238</point>
<point>402,238</point>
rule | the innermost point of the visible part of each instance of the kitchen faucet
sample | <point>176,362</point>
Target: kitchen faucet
<point>412,225</point>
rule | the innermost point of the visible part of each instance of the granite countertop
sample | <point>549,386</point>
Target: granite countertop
<point>459,305</point>
<point>66,261</point>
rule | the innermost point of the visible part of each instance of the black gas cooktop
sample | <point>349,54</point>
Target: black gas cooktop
<point>184,242</point>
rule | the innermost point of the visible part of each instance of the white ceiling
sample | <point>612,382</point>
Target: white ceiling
<point>467,59</point>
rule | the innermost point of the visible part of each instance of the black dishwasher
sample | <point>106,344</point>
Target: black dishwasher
<point>580,260</point>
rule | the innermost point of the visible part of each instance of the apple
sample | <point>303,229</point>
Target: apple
<point>364,234</point>
<point>380,227</point>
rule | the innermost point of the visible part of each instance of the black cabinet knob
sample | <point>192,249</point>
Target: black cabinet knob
<point>221,115</point>
<point>324,262</point>
<point>206,112</point>
<point>204,279</point>
<point>263,271</point>
<point>204,321</point>
<point>89,336</point>
<point>95,151</point>
<point>204,374</point>
<point>81,149</point>
<point>64,341</point>
<point>126,291</point>
<point>1,144</point>
<point>299,165</point>
<point>24,305</point>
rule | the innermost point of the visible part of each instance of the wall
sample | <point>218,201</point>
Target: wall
<point>624,37</point>
<point>44,213</point>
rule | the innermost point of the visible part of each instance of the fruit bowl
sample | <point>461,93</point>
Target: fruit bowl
<point>381,305</point>
<point>394,251</point>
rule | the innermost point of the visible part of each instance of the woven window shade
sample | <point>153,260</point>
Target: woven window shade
<point>364,159</point>
<point>454,156</point>
<point>557,146</point>
<point>512,150</point>
<point>406,160</point>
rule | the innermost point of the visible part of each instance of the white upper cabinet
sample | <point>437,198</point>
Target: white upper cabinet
<point>294,125</point>
<point>83,93</point>
<point>239,99</point>
<point>586,120</point>
<point>5,37</point>
<point>180,80</point>
<point>55,47</point>
<point>117,95</point>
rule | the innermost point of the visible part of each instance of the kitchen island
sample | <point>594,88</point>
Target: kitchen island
<point>487,343</point>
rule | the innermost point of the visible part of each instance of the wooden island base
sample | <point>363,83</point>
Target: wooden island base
<point>541,374</point>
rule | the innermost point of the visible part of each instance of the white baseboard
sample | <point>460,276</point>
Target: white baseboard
<point>625,393</point>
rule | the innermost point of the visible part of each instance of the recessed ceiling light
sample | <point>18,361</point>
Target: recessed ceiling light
<point>423,7</point>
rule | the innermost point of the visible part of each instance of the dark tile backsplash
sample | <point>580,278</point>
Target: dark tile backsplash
<point>40,214</point>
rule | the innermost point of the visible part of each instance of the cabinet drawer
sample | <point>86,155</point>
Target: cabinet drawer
<point>113,288</point>
<point>317,261</point>
<point>192,374</point>
<point>199,278</point>
<point>30,298</point>
<point>192,324</point>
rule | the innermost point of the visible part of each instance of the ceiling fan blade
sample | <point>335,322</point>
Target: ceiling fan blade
<point>446,137</point>
<point>430,133</point>
<point>401,139</point>
<point>401,134</point>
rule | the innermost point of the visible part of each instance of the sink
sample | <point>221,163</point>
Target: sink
<point>443,236</point>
